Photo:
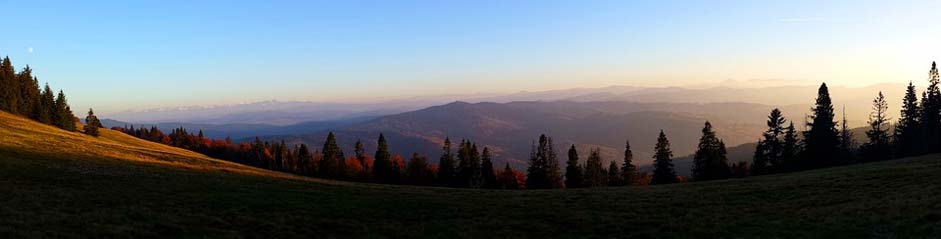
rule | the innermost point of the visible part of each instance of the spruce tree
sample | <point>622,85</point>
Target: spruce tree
<point>595,176</point>
<point>47,104</point>
<point>847,142</point>
<point>908,129</point>
<point>628,170</point>
<point>508,178</point>
<point>91,124</point>
<point>486,169</point>
<point>468,165</point>
<point>64,117</point>
<point>446,165</point>
<point>332,160</point>
<point>382,162</point>
<point>11,90</point>
<point>417,171</point>
<point>27,92</point>
<point>878,148</point>
<point>663,172</point>
<point>822,141</point>
<point>931,112</point>
<point>543,172</point>
<point>792,147</point>
<point>774,145</point>
<point>305,161</point>
<point>710,161</point>
<point>573,172</point>
<point>614,174</point>
<point>759,160</point>
<point>360,153</point>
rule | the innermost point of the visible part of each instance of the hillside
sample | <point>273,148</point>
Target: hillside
<point>67,185</point>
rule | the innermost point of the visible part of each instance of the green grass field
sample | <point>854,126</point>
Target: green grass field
<point>55,184</point>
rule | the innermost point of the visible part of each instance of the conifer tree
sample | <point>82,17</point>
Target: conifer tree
<point>64,117</point>
<point>573,172</point>
<point>11,90</point>
<point>47,104</point>
<point>360,152</point>
<point>822,141</point>
<point>91,124</point>
<point>305,161</point>
<point>614,174</point>
<point>663,172</point>
<point>446,165</point>
<point>908,130</point>
<point>382,162</point>
<point>595,176</point>
<point>774,145</point>
<point>710,161</point>
<point>486,169</point>
<point>878,148</point>
<point>468,165</point>
<point>543,172</point>
<point>29,93</point>
<point>931,112</point>
<point>628,170</point>
<point>792,147</point>
<point>508,178</point>
<point>331,162</point>
<point>396,169</point>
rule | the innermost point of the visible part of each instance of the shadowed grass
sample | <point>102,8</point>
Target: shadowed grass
<point>59,184</point>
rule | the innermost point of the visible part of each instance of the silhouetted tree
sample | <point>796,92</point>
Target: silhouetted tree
<point>595,176</point>
<point>822,141</point>
<point>47,104</point>
<point>382,162</point>
<point>91,124</point>
<point>847,142</point>
<point>10,94</point>
<point>878,147</point>
<point>486,169</point>
<point>543,169</point>
<point>360,152</point>
<point>773,141</point>
<point>908,133</point>
<point>418,171</point>
<point>305,159</point>
<point>332,164</point>
<point>792,147</point>
<point>446,165</point>
<point>710,160</point>
<point>628,170</point>
<point>663,172</point>
<point>614,174</point>
<point>468,165</point>
<point>508,178</point>
<point>931,112</point>
<point>573,172</point>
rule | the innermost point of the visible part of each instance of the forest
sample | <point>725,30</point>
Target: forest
<point>823,142</point>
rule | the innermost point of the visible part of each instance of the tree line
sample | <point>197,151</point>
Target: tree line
<point>20,95</point>
<point>824,142</point>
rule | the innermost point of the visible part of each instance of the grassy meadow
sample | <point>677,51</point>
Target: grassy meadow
<point>57,184</point>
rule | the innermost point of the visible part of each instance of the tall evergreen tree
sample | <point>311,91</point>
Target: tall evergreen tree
<point>29,93</point>
<point>64,117</point>
<point>573,172</point>
<point>543,169</point>
<point>628,170</point>
<point>931,112</point>
<point>47,104</point>
<point>305,161</point>
<point>417,172</point>
<point>614,174</point>
<point>332,161</point>
<point>446,165</point>
<point>468,165</point>
<point>91,124</point>
<point>382,162</point>
<point>360,153</point>
<point>908,130</point>
<point>508,178</point>
<point>486,169</point>
<point>663,172</point>
<point>11,90</point>
<point>595,176</point>
<point>710,161</point>
<point>847,142</point>
<point>792,147</point>
<point>878,148</point>
<point>773,142</point>
<point>822,141</point>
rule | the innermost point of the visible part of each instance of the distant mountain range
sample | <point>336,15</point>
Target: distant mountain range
<point>507,123</point>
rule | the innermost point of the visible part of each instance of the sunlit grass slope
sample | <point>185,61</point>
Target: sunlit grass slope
<point>55,184</point>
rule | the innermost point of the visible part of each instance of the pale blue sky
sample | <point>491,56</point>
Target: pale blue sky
<point>119,55</point>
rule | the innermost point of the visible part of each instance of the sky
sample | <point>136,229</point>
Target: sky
<point>118,55</point>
